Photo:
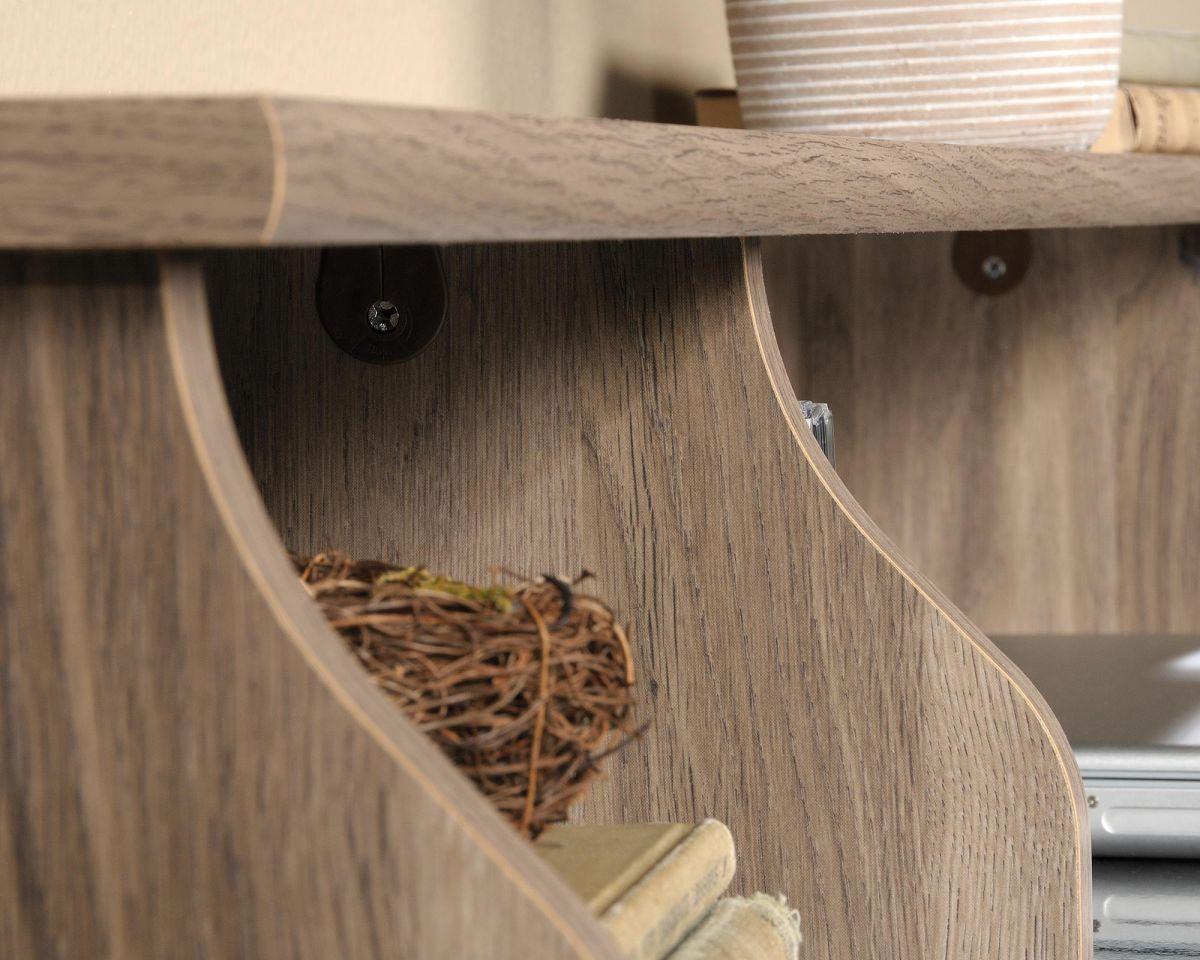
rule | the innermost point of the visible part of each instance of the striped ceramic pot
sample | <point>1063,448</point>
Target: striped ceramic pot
<point>1029,72</point>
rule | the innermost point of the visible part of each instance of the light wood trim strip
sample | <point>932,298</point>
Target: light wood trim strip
<point>251,171</point>
<point>279,178</point>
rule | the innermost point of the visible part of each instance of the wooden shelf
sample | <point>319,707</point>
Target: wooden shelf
<point>268,171</point>
<point>176,418</point>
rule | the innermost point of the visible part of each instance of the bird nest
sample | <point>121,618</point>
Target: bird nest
<point>526,688</point>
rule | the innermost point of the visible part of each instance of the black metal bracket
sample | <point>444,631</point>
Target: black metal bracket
<point>381,304</point>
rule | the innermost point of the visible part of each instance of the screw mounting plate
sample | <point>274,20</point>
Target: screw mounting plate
<point>352,282</point>
<point>992,262</point>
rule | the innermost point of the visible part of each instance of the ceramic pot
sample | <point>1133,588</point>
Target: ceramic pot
<point>1022,72</point>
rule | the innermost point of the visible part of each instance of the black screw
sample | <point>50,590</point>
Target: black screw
<point>992,262</point>
<point>381,304</point>
<point>383,316</point>
<point>994,267</point>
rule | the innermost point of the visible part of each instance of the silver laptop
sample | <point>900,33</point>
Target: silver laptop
<point>1146,909</point>
<point>1130,706</point>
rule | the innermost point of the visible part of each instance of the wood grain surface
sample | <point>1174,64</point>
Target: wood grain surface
<point>622,407</point>
<point>1033,453</point>
<point>140,173</point>
<point>193,766</point>
<point>243,172</point>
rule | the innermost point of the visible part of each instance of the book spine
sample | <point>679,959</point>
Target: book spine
<point>656,912</point>
<point>718,108</point>
<point>1120,136</point>
<point>1166,119</point>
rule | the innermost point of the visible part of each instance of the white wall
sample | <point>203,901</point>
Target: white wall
<point>576,57</point>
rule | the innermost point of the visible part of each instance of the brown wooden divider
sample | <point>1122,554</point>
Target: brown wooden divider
<point>622,407</point>
<point>190,763</point>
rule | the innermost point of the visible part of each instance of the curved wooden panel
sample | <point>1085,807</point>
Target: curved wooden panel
<point>623,408</point>
<point>193,766</point>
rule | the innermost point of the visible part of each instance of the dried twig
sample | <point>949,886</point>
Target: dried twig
<point>524,688</point>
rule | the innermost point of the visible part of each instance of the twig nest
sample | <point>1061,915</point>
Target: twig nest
<point>524,688</point>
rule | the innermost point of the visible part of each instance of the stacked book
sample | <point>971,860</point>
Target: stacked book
<point>658,889</point>
<point>1158,102</point>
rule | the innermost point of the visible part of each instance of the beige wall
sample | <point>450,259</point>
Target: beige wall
<point>1182,15</point>
<point>638,58</point>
